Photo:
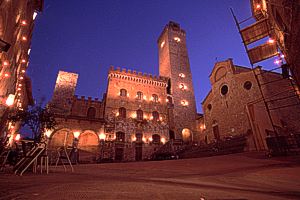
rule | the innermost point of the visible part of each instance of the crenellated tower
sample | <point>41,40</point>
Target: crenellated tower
<point>174,64</point>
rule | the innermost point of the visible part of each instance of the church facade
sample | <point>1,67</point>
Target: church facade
<point>139,112</point>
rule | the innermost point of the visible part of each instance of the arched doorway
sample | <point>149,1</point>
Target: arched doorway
<point>88,141</point>
<point>60,138</point>
<point>215,128</point>
<point>186,135</point>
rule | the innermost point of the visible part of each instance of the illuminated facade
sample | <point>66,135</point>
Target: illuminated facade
<point>234,106</point>
<point>138,113</point>
<point>174,64</point>
<point>16,27</point>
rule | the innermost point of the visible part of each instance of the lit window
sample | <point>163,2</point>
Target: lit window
<point>123,93</point>
<point>139,95</point>
<point>177,39</point>
<point>23,22</point>
<point>182,86</point>
<point>154,98</point>
<point>181,75</point>
<point>34,15</point>
<point>162,44</point>
<point>184,103</point>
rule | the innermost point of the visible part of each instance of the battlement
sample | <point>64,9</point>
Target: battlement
<point>174,27</point>
<point>87,99</point>
<point>132,75</point>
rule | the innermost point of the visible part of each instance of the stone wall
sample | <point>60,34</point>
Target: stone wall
<point>242,110</point>
<point>174,64</point>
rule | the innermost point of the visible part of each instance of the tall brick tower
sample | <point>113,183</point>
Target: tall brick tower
<point>174,64</point>
<point>64,91</point>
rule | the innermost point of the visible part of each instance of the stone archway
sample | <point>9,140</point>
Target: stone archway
<point>60,138</point>
<point>88,141</point>
<point>186,135</point>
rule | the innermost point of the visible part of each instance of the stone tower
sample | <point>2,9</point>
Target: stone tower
<point>174,64</point>
<point>64,92</point>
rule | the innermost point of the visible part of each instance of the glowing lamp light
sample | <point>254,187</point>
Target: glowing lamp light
<point>48,133</point>
<point>160,118</point>
<point>23,70</point>
<point>10,100</point>
<point>163,140</point>
<point>167,100</point>
<point>271,41</point>
<point>277,62</point>
<point>5,63</point>
<point>18,137</point>
<point>144,139</point>
<point>258,6</point>
<point>102,136</point>
<point>151,117</point>
<point>282,56</point>
<point>133,139</point>
<point>150,139</point>
<point>23,61</point>
<point>24,38</point>
<point>144,97</point>
<point>34,15</point>
<point>21,77</point>
<point>19,89</point>
<point>23,22</point>
<point>6,75</point>
<point>133,115</point>
<point>117,114</point>
<point>19,94</point>
<point>145,117</point>
<point>76,134</point>
<point>20,85</point>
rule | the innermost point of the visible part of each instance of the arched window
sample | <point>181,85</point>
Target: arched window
<point>123,93</point>
<point>139,95</point>
<point>122,112</point>
<point>156,139</point>
<point>120,136</point>
<point>155,115</point>
<point>91,112</point>
<point>154,98</point>
<point>139,114</point>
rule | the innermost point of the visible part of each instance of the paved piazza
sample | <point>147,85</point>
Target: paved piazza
<point>239,176</point>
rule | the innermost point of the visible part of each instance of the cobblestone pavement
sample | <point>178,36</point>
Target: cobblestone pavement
<point>239,176</point>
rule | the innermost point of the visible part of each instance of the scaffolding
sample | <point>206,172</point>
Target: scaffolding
<point>257,31</point>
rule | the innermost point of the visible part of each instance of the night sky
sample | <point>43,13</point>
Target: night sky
<point>86,37</point>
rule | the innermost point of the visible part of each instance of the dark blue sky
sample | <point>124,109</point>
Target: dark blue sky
<point>86,37</point>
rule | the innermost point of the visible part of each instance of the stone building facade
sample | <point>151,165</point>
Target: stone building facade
<point>174,64</point>
<point>16,27</point>
<point>139,112</point>
<point>234,106</point>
